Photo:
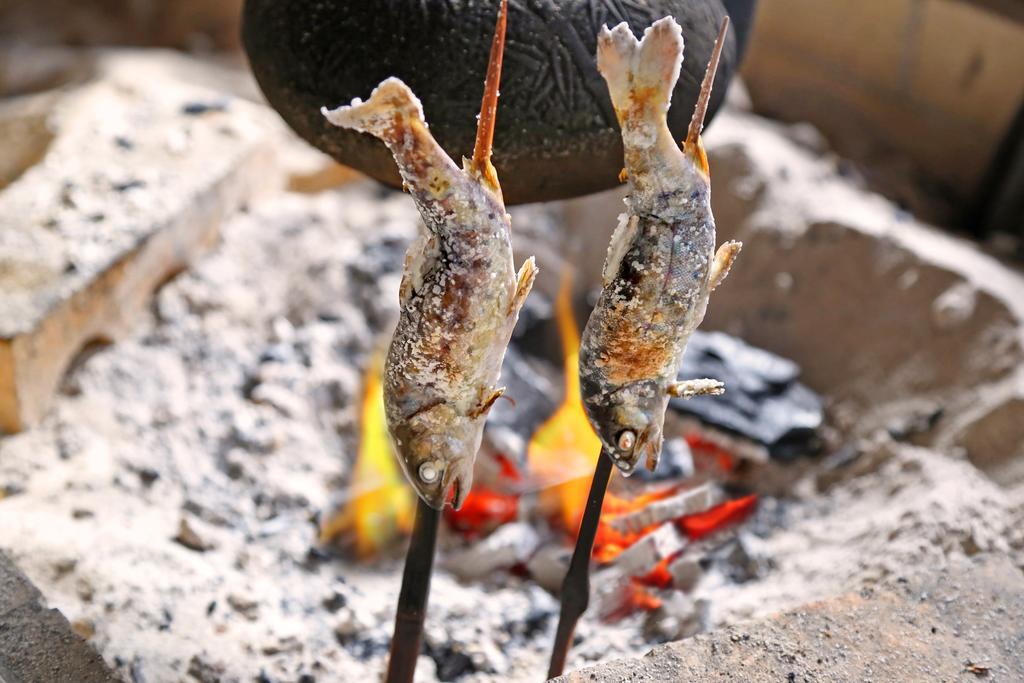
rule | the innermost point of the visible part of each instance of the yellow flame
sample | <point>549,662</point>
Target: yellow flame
<point>380,504</point>
<point>565,448</point>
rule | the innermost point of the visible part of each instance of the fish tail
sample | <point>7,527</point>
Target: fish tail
<point>395,115</point>
<point>391,108</point>
<point>641,74</point>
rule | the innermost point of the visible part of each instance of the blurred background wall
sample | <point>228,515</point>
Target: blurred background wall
<point>939,81</point>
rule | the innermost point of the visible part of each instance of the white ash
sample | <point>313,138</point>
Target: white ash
<point>680,616</point>
<point>548,566</point>
<point>507,546</point>
<point>232,413</point>
<point>686,572</point>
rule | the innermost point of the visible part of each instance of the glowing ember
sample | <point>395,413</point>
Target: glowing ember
<point>708,456</point>
<point>380,504</point>
<point>561,456</point>
<point>660,576</point>
<point>637,597</point>
<point>728,513</point>
<point>483,511</point>
<point>564,449</point>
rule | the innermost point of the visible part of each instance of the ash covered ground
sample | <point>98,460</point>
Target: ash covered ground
<point>168,504</point>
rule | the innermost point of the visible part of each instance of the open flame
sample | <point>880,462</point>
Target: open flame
<point>380,503</point>
<point>565,448</point>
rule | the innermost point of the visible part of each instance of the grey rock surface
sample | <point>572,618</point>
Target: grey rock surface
<point>37,644</point>
<point>961,623</point>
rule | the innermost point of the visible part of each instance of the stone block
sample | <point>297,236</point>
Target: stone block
<point>121,182</point>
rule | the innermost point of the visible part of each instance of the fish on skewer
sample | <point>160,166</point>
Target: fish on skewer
<point>460,295</point>
<point>662,264</point>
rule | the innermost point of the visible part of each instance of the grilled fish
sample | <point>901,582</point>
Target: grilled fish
<point>460,295</point>
<point>661,263</point>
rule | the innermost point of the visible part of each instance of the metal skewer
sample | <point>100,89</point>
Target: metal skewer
<point>412,598</point>
<point>576,585</point>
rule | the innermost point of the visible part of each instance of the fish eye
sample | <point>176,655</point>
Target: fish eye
<point>626,439</point>
<point>428,472</point>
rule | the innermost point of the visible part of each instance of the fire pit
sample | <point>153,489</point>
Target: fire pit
<point>178,503</point>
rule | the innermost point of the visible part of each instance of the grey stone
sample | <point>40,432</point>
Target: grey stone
<point>37,644</point>
<point>958,623</point>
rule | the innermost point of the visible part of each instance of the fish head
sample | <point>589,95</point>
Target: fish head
<point>436,449</point>
<point>629,424</point>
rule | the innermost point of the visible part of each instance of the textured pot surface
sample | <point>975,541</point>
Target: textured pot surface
<point>556,134</point>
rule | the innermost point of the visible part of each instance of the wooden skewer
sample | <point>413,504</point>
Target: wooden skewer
<point>412,599</point>
<point>489,105</point>
<point>576,585</point>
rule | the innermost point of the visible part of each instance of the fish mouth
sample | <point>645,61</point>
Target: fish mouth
<point>648,443</point>
<point>626,463</point>
<point>455,485</point>
<point>455,488</point>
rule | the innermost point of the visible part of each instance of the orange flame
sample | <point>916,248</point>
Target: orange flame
<point>565,448</point>
<point>380,504</point>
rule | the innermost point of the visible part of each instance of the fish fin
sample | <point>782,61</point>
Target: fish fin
<point>390,106</point>
<point>641,73</point>
<point>481,163</point>
<point>458,480</point>
<point>696,387</point>
<point>724,258</point>
<point>652,445</point>
<point>524,283</point>
<point>486,403</point>
<point>620,243</point>
<point>623,175</point>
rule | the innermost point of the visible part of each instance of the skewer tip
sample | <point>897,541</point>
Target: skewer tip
<point>481,162</point>
<point>700,111</point>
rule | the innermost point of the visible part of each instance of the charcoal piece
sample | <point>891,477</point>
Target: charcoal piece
<point>533,395</point>
<point>452,663</point>
<point>763,400</point>
<point>739,560</point>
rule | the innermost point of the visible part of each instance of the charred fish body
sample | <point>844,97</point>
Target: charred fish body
<point>460,295</point>
<point>661,264</point>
